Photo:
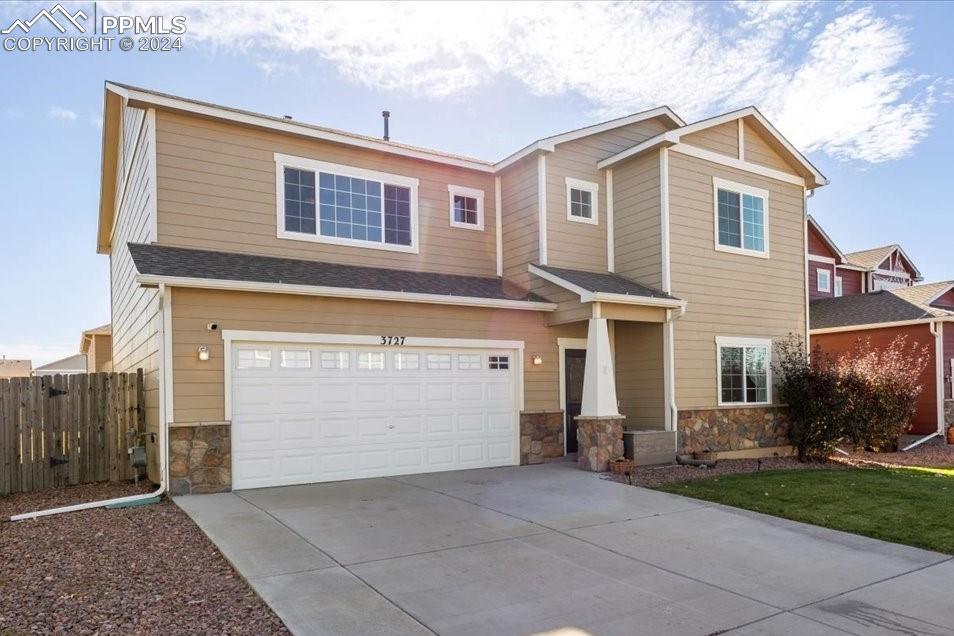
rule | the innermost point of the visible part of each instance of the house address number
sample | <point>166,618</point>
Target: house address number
<point>392,340</point>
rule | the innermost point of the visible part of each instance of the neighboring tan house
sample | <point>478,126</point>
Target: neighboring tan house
<point>15,368</point>
<point>832,273</point>
<point>97,345</point>
<point>65,366</point>
<point>311,305</point>
<point>923,313</point>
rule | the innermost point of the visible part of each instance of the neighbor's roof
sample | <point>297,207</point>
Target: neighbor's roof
<point>602,283</point>
<point>157,262</point>
<point>75,362</point>
<point>827,239</point>
<point>871,258</point>
<point>102,330</point>
<point>886,306</point>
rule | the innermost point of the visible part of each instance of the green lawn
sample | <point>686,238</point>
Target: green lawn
<point>908,506</point>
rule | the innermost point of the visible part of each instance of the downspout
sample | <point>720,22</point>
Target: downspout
<point>164,339</point>
<point>671,371</point>
<point>937,330</point>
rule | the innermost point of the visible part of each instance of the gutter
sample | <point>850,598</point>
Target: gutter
<point>165,341</point>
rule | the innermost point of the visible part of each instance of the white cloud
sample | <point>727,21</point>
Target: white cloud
<point>273,67</point>
<point>61,114</point>
<point>831,78</point>
<point>38,354</point>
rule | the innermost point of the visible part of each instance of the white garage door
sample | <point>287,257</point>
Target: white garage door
<point>305,413</point>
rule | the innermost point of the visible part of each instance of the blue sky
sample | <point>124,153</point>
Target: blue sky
<point>864,89</point>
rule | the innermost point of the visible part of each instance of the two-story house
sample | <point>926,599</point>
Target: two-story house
<point>310,304</point>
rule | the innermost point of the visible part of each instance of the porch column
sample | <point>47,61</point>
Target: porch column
<point>599,425</point>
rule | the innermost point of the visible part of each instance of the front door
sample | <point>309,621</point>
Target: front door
<point>573,375</point>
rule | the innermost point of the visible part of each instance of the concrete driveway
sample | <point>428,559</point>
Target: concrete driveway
<point>534,549</point>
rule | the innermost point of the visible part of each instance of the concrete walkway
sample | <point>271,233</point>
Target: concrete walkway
<point>526,550</point>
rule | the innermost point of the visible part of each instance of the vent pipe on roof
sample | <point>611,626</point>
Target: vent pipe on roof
<point>387,115</point>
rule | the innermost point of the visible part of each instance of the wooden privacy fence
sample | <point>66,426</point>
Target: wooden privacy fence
<point>69,429</point>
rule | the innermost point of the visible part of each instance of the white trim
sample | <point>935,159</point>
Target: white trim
<point>892,273</point>
<point>664,219</point>
<point>584,186</point>
<point>587,296</point>
<point>562,345</point>
<point>473,193</point>
<point>272,123</point>
<point>808,321</point>
<point>665,140</point>
<point>741,139</point>
<point>302,163</point>
<point>821,259</point>
<point>731,341</point>
<point>723,160</point>
<point>881,325</point>
<point>610,230</point>
<point>827,239</point>
<point>821,274</point>
<point>542,207</point>
<point>498,225</point>
<point>669,374</point>
<point>937,329</point>
<point>343,292</point>
<point>153,175</point>
<point>740,189</point>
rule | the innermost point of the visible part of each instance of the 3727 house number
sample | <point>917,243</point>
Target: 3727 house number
<point>392,340</point>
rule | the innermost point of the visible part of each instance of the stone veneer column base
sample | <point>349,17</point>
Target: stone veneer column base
<point>949,412</point>
<point>600,441</point>
<point>200,458</point>
<point>541,436</point>
<point>731,429</point>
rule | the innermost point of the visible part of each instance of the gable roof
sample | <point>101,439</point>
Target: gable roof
<point>814,178</point>
<point>75,362</point>
<point>904,304</point>
<point>605,287</point>
<point>179,266</point>
<point>870,259</point>
<point>87,337</point>
<point>827,239</point>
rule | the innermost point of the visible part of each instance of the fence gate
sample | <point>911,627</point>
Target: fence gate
<point>69,429</point>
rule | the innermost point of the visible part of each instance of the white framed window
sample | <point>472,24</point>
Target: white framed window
<point>371,360</point>
<point>439,361</point>
<point>466,207</point>
<point>342,205</point>
<point>744,367</point>
<point>839,286</point>
<point>407,361</point>
<point>823,280</point>
<point>468,361</point>
<point>741,214</point>
<point>498,362</point>
<point>582,199</point>
<point>296,359</point>
<point>335,360</point>
<point>254,359</point>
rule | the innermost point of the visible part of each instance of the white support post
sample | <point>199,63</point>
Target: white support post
<point>599,376</point>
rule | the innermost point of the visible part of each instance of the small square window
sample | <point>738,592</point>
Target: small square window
<point>498,362</point>
<point>407,361</point>
<point>466,207</point>
<point>371,360</point>
<point>581,200</point>
<point>468,361</point>
<point>254,359</point>
<point>335,359</point>
<point>296,359</point>
<point>439,361</point>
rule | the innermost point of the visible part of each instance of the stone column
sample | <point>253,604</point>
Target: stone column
<point>600,441</point>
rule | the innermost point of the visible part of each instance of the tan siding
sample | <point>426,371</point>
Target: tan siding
<point>199,386</point>
<point>569,308</point>
<point>729,294</point>
<point>723,139</point>
<point>217,191</point>
<point>639,374</point>
<point>100,353</point>
<point>521,226</point>
<point>582,245</point>
<point>638,235</point>
<point>758,150</point>
<point>135,311</point>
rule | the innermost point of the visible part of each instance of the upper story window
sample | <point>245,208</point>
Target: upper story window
<point>823,282</point>
<point>745,375</point>
<point>581,201</point>
<point>839,286</point>
<point>329,203</point>
<point>466,207</point>
<point>741,218</point>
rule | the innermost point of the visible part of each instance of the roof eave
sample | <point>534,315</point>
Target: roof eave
<point>113,99</point>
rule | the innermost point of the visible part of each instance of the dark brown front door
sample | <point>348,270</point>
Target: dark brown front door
<point>573,375</point>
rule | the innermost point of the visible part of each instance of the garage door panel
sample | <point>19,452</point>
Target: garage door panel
<point>332,393</point>
<point>500,422</point>
<point>440,424</point>
<point>335,430</point>
<point>437,393</point>
<point>470,422</point>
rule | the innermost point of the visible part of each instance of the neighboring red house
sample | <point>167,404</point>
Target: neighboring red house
<point>925,313</point>
<point>832,273</point>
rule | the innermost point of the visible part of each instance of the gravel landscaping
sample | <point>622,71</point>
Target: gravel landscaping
<point>135,570</point>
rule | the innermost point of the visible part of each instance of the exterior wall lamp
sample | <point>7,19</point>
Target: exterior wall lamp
<point>203,352</point>
<point>537,360</point>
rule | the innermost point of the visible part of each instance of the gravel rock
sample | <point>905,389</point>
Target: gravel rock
<point>146,570</point>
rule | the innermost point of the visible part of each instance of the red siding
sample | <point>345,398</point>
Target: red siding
<point>817,245</point>
<point>850,281</point>
<point>948,357</point>
<point>925,418</point>
<point>813,293</point>
<point>946,301</point>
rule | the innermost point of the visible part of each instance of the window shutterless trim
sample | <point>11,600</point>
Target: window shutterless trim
<point>826,275</point>
<point>312,165</point>
<point>743,343</point>
<point>473,193</point>
<point>587,186</point>
<point>740,189</point>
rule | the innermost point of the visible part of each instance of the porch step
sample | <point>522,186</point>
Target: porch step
<point>648,448</point>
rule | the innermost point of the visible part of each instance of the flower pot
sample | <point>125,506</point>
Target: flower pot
<point>950,435</point>
<point>622,466</point>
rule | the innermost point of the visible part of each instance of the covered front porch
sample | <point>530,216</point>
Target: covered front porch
<point>616,385</point>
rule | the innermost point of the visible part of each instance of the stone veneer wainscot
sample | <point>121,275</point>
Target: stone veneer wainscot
<point>731,429</point>
<point>200,458</point>
<point>541,436</point>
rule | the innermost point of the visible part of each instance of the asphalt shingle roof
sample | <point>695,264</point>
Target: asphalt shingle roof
<point>870,259</point>
<point>161,260</point>
<point>605,283</point>
<point>894,305</point>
